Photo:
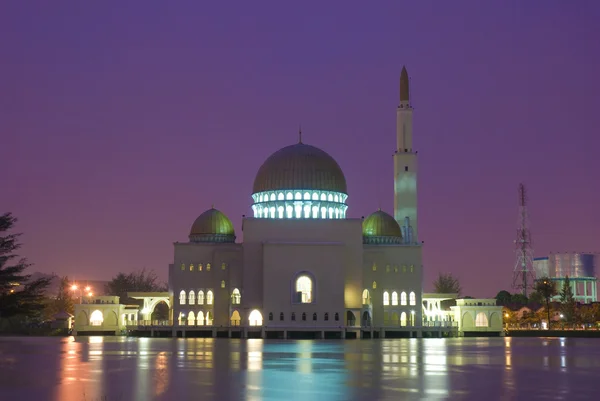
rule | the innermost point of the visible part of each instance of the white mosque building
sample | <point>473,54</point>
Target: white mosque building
<point>303,263</point>
<point>304,267</point>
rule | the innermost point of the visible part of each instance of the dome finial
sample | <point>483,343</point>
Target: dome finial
<point>404,92</point>
<point>299,133</point>
<point>212,206</point>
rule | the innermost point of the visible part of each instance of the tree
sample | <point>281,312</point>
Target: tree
<point>536,298</point>
<point>19,295</point>
<point>568,305</point>
<point>63,302</point>
<point>446,283</point>
<point>503,298</point>
<point>547,288</point>
<point>519,299</point>
<point>138,281</point>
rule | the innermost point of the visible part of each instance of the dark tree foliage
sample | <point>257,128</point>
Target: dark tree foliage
<point>138,281</point>
<point>503,298</point>
<point>547,289</point>
<point>19,295</point>
<point>62,301</point>
<point>446,283</point>
<point>536,298</point>
<point>519,299</point>
<point>568,305</point>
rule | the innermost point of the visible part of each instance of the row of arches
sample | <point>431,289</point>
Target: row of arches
<point>303,316</point>
<point>199,267</point>
<point>198,319</point>
<point>315,196</point>
<point>236,297</point>
<point>394,319</point>
<point>412,298</point>
<point>96,318</point>
<point>298,210</point>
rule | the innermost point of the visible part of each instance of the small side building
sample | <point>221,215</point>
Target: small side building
<point>101,315</point>
<point>478,317</point>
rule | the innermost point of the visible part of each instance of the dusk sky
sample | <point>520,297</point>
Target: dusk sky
<point>121,122</point>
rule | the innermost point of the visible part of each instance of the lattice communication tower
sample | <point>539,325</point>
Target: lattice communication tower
<point>524,274</point>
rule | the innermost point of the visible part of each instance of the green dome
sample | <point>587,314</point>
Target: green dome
<point>381,228</point>
<point>300,167</point>
<point>212,226</point>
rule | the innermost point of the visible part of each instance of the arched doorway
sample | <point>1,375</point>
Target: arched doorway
<point>366,319</point>
<point>403,319</point>
<point>200,318</point>
<point>96,318</point>
<point>366,297</point>
<point>350,318</point>
<point>160,312</point>
<point>255,318</point>
<point>191,320</point>
<point>235,319</point>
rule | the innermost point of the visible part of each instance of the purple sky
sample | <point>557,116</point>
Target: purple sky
<point>121,124</point>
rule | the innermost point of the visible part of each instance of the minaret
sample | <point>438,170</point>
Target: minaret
<point>405,166</point>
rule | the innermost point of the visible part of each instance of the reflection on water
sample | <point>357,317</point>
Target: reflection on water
<point>117,368</point>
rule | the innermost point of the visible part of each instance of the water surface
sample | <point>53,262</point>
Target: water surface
<point>124,369</point>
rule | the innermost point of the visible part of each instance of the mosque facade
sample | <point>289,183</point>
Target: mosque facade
<point>303,263</point>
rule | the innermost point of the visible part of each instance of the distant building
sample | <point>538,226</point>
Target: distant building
<point>581,269</point>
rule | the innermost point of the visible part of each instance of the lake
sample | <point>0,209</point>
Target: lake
<point>125,369</point>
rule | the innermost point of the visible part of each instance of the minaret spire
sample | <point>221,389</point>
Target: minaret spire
<point>404,92</point>
<point>300,133</point>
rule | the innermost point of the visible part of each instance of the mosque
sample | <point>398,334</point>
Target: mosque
<point>303,265</point>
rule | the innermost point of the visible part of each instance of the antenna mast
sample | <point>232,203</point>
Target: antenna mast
<point>523,276</point>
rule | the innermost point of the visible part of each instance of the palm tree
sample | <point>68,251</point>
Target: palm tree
<point>547,288</point>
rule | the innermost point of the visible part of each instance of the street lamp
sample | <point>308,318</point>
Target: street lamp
<point>88,289</point>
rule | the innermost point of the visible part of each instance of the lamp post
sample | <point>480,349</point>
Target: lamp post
<point>87,289</point>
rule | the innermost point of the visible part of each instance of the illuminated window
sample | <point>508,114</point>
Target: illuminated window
<point>366,297</point>
<point>191,267</point>
<point>394,298</point>
<point>481,320</point>
<point>192,298</point>
<point>255,318</point>
<point>191,319</point>
<point>374,285</point>
<point>413,298</point>
<point>209,318</point>
<point>412,268</point>
<point>236,297</point>
<point>395,269</point>
<point>304,289</point>
<point>200,297</point>
<point>222,283</point>
<point>235,319</point>
<point>200,318</point>
<point>386,298</point>
<point>200,267</point>
<point>403,298</point>
<point>182,298</point>
<point>96,318</point>
<point>374,267</point>
<point>223,266</point>
<point>208,267</point>
<point>403,319</point>
<point>209,297</point>
<point>183,267</point>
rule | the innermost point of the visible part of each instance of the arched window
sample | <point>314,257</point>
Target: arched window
<point>200,297</point>
<point>303,316</point>
<point>281,316</point>
<point>326,316</point>
<point>200,267</point>
<point>403,319</point>
<point>209,297</point>
<point>223,265</point>
<point>374,267</point>
<point>208,267</point>
<point>403,298</point>
<point>222,283</point>
<point>183,267</point>
<point>294,316</point>
<point>314,316</point>
<point>181,318</point>
<point>374,285</point>
<point>386,298</point>
<point>336,316</point>
<point>191,267</point>
<point>200,318</point>
<point>96,318</point>
<point>481,320</point>
<point>304,289</point>
<point>191,319</point>
<point>394,298</point>
<point>209,318</point>
<point>270,316</point>
<point>235,318</point>
<point>192,298</point>
<point>366,297</point>
<point>182,297</point>
<point>255,318</point>
<point>236,297</point>
<point>412,298</point>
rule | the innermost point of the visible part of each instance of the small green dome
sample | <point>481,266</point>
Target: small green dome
<point>381,228</point>
<point>212,226</point>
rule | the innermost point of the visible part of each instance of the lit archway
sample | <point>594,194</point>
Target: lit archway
<point>255,318</point>
<point>481,320</point>
<point>236,297</point>
<point>366,297</point>
<point>304,289</point>
<point>200,318</point>
<point>403,319</point>
<point>191,319</point>
<point>96,318</point>
<point>235,318</point>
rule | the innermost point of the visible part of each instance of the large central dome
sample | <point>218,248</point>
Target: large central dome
<point>300,181</point>
<point>300,166</point>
